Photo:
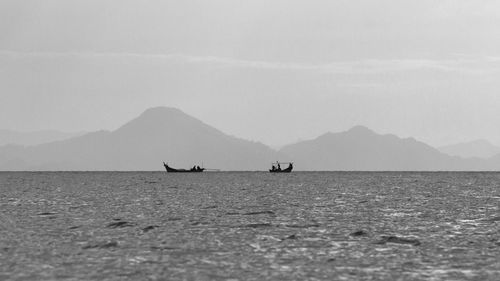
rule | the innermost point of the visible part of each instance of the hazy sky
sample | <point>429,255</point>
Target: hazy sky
<point>272,71</point>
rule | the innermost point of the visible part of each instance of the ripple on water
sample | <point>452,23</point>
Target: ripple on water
<point>249,226</point>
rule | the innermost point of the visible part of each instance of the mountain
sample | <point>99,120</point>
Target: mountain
<point>362,149</point>
<point>167,134</point>
<point>158,134</point>
<point>33,138</point>
<point>477,148</point>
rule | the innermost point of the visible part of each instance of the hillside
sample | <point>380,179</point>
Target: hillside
<point>159,134</point>
<point>362,149</point>
<point>167,134</point>
<point>477,148</point>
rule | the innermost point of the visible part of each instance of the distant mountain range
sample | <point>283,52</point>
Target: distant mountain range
<point>33,138</point>
<point>159,134</point>
<point>477,148</point>
<point>362,149</point>
<point>168,134</point>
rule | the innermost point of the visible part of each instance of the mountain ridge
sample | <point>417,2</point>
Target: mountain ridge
<point>477,148</point>
<point>168,134</point>
<point>360,148</point>
<point>158,134</point>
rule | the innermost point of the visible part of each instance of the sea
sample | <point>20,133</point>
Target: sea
<point>249,226</point>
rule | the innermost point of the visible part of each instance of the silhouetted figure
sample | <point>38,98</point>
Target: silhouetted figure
<point>276,168</point>
<point>198,168</point>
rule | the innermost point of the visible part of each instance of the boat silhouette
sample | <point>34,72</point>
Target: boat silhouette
<point>277,168</point>
<point>195,169</point>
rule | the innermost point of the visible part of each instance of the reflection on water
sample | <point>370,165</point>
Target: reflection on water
<point>250,226</point>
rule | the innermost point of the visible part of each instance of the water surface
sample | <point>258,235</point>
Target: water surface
<point>249,226</point>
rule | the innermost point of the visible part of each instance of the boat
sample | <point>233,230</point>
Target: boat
<point>276,167</point>
<point>195,169</point>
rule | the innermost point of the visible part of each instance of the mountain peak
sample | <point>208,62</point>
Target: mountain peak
<point>161,110</point>
<point>156,118</point>
<point>359,129</point>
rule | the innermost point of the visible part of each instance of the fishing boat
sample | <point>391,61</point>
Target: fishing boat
<point>195,169</point>
<point>276,167</point>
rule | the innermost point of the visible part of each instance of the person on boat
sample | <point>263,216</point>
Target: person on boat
<point>273,168</point>
<point>290,166</point>
<point>198,168</point>
<point>279,167</point>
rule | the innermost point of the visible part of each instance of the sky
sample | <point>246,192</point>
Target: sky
<point>270,71</point>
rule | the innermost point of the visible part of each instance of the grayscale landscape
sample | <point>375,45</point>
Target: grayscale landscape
<point>249,140</point>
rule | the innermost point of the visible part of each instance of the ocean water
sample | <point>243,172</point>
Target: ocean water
<point>249,226</point>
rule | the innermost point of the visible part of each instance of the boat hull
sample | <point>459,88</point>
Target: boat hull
<point>172,170</point>
<point>287,170</point>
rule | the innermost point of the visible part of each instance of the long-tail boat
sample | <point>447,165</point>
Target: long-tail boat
<point>195,169</point>
<point>276,167</point>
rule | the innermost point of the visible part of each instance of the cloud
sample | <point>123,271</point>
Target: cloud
<point>458,63</point>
